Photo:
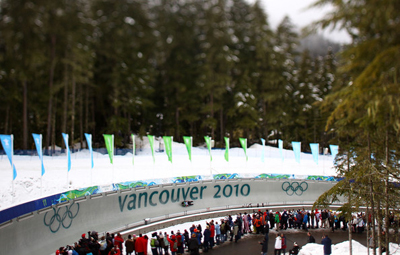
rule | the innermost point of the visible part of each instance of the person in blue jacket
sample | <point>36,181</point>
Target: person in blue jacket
<point>327,242</point>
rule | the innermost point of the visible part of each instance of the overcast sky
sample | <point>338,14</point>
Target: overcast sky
<point>300,16</point>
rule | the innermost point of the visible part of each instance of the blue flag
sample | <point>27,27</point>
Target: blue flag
<point>38,142</point>
<point>263,149</point>
<point>296,150</point>
<point>65,136</point>
<point>315,151</point>
<point>8,145</point>
<point>280,145</point>
<point>89,143</point>
<point>334,150</point>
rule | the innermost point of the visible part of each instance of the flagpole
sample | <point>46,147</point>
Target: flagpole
<point>41,170</point>
<point>12,167</point>
<point>91,170</point>
<point>112,137</point>
<point>323,163</point>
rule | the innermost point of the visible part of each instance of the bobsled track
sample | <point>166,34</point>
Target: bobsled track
<point>145,209</point>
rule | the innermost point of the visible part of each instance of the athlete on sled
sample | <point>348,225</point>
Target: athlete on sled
<point>187,203</point>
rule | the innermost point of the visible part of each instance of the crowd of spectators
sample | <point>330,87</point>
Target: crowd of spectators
<point>230,228</point>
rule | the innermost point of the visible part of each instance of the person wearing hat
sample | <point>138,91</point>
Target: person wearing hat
<point>173,244</point>
<point>154,243</point>
<point>295,250</point>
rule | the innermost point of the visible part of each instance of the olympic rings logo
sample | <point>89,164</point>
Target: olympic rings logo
<point>294,188</point>
<point>63,216</point>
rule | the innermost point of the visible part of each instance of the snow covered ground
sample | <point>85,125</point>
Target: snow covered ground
<point>30,185</point>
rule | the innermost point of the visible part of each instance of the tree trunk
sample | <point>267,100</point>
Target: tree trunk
<point>371,189</point>
<point>51,80</point>
<point>221,120</point>
<point>81,115</point>
<point>350,218</point>
<point>87,109</point>
<point>65,112</point>
<point>25,116</point>
<point>53,128</point>
<point>73,111</point>
<point>177,124</point>
<point>379,215</point>
<point>7,119</point>
<point>368,244</point>
<point>212,112</point>
<point>387,194</point>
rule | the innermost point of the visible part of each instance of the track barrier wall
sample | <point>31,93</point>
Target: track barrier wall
<point>46,224</point>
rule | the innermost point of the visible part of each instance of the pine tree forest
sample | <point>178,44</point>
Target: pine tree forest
<point>364,113</point>
<point>159,67</point>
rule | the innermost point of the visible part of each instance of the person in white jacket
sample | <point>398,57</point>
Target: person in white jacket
<point>278,244</point>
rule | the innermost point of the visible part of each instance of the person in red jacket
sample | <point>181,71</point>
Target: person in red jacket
<point>173,244</point>
<point>115,251</point>
<point>140,245</point>
<point>212,230</point>
<point>118,241</point>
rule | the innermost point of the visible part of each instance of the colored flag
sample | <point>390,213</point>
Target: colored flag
<point>263,149</point>
<point>8,145</point>
<point>315,151</point>
<point>65,136</point>
<point>38,142</point>
<point>208,142</point>
<point>168,147</point>
<point>334,150</point>
<point>280,145</point>
<point>188,142</point>
<point>243,142</point>
<point>89,144</point>
<point>133,148</point>
<point>151,141</point>
<point>226,155</point>
<point>109,140</point>
<point>296,150</point>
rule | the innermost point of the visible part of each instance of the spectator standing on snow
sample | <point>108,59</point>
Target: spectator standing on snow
<point>278,244</point>
<point>327,242</point>
<point>283,249</point>
<point>217,232</point>
<point>129,245</point>
<point>193,245</point>
<point>154,243</point>
<point>264,243</point>
<point>206,239</point>
<point>305,221</point>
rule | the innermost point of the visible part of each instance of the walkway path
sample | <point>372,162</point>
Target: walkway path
<point>249,243</point>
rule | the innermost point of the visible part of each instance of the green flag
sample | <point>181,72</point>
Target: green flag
<point>226,148</point>
<point>168,146</point>
<point>133,148</point>
<point>151,141</point>
<point>243,142</point>
<point>188,143</point>
<point>208,142</point>
<point>109,139</point>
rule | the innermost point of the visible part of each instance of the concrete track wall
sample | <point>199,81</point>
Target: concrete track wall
<point>42,232</point>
